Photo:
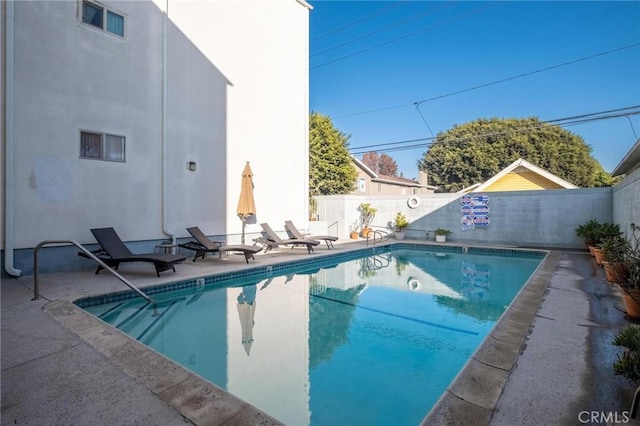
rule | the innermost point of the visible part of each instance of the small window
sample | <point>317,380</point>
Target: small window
<point>100,17</point>
<point>102,146</point>
<point>362,185</point>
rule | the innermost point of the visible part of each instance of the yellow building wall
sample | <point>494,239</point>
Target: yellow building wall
<point>523,181</point>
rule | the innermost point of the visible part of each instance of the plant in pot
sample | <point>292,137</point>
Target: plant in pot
<point>629,284</point>
<point>441,235</point>
<point>608,231</point>
<point>589,231</point>
<point>353,230</point>
<point>628,364</point>
<point>400,223</point>
<point>367,213</point>
<point>615,251</point>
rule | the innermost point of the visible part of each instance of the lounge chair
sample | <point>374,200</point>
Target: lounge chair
<point>295,233</point>
<point>203,245</point>
<point>272,240</point>
<point>113,252</point>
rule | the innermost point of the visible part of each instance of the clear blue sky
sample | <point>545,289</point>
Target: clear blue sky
<point>446,47</point>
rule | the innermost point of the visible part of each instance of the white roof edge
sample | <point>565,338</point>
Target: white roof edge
<point>468,188</point>
<point>364,167</point>
<point>305,4</point>
<point>627,163</point>
<point>524,163</point>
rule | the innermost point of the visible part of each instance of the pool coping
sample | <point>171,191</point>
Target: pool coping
<point>470,399</point>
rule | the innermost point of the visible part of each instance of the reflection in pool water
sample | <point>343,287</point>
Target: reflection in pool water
<point>374,340</point>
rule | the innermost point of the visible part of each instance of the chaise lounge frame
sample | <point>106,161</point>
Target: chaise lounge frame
<point>272,240</point>
<point>113,252</point>
<point>203,245</point>
<point>294,233</point>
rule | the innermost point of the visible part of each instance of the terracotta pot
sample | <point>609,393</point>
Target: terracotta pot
<point>366,231</point>
<point>353,235</point>
<point>591,246</point>
<point>615,272</point>
<point>631,304</point>
<point>610,274</point>
<point>599,255</point>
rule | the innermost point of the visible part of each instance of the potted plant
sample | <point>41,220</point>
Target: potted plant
<point>628,365</point>
<point>441,235</point>
<point>353,230</point>
<point>367,213</point>
<point>400,223</point>
<point>589,231</point>
<point>629,284</point>
<point>615,250</point>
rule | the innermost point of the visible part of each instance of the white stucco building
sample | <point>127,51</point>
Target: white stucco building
<point>142,114</point>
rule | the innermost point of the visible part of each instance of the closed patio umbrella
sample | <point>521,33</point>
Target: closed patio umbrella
<point>246,205</point>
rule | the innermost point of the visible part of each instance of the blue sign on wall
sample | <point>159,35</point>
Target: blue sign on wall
<point>475,211</point>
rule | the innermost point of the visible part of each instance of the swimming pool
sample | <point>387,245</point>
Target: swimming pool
<point>374,339</point>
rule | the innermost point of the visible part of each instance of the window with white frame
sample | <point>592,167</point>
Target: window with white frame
<point>101,17</point>
<point>362,185</point>
<point>102,146</point>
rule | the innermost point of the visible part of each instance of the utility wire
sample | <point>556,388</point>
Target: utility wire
<point>566,122</point>
<point>455,18</point>
<point>378,31</point>
<point>542,123</point>
<point>358,21</point>
<point>585,58</point>
<point>423,119</point>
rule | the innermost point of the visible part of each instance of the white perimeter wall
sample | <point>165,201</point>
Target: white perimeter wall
<point>626,202</point>
<point>520,218</point>
<point>237,91</point>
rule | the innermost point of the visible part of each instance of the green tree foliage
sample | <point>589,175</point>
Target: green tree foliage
<point>330,168</point>
<point>476,151</point>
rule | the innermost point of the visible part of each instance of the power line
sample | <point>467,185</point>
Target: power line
<point>566,121</point>
<point>423,119</point>
<point>358,21</point>
<point>617,49</point>
<point>378,31</point>
<point>455,18</point>
<point>531,72</point>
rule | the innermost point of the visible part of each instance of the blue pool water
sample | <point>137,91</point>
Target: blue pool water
<point>374,339</point>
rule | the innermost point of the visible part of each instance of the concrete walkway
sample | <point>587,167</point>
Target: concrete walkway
<point>548,360</point>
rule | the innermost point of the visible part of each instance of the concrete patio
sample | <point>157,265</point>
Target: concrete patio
<point>548,360</point>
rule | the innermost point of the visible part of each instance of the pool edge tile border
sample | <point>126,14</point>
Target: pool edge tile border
<point>196,399</point>
<point>468,389</point>
<point>215,406</point>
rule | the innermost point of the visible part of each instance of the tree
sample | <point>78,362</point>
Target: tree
<point>382,164</point>
<point>387,166</point>
<point>330,168</point>
<point>371,160</point>
<point>476,151</point>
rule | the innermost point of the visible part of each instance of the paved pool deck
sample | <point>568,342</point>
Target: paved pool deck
<point>547,362</point>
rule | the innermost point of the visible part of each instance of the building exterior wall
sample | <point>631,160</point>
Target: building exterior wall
<point>236,90</point>
<point>626,202</point>
<point>545,218</point>
<point>522,181</point>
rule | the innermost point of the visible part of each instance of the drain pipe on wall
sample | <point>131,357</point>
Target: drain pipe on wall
<point>9,135</point>
<point>165,204</point>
